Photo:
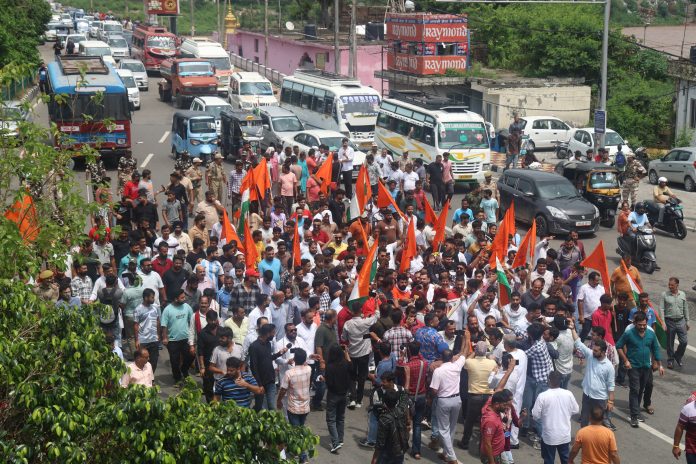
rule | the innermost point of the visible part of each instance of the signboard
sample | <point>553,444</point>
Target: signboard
<point>600,121</point>
<point>163,7</point>
<point>421,27</point>
<point>425,65</point>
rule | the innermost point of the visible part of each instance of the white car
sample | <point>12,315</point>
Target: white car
<point>133,92</point>
<point>119,47</point>
<point>543,130</point>
<point>139,73</point>
<point>212,105</point>
<point>12,113</point>
<point>584,138</point>
<point>82,26</point>
<point>94,29</point>
<point>66,19</point>
<point>96,48</point>
<point>75,39</point>
<point>312,138</point>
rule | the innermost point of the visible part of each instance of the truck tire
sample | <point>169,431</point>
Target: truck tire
<point>165,95</point>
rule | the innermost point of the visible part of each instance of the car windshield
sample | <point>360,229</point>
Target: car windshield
<point>221,64</point>
<point>76,38</point>
<point>133,66</point>
<point>334,143</point>
<point>195,69</point>
<point>255,88</point>
<point>612,139</point>
<point>453,135</point>
<point>113,27</point>
<point>200,126</point>
<point>161,41</point>
<point>560,188</point>
<point>128,81</point>
<point>10,114</point>
<point>604,180</point>
<point>97,51</point>
<point>287,124</point>
<point>217,109</point>
<point>360,104</point>
<point>118,43</point>
<point>252,127</point>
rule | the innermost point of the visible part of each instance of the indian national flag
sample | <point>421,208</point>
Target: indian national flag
<point>245,191</point>
<point>660,331</point>
<point>361,289</point>
<point>363,192</point>
<point>503,284</point>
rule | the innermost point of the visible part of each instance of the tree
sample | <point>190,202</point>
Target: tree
<point>22,22</point>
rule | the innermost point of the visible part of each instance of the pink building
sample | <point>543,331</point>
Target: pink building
<point>285,54</point>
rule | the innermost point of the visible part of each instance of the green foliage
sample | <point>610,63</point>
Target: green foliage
<point>684,138</point>
<point>22,22</point>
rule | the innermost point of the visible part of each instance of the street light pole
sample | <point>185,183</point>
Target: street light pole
<point>605,60</point>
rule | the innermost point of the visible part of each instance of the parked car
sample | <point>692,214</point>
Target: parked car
<point>12,113</point>
<point>139,73</point>
<point>133,92</point>
<point>94,29</point>
<point>211,105</point>
<point>543,130</point>
<point>278,123</point>
<point>679,165</point>
<point>584,138</point>
<point>75,38</point>
<point>313,138</point>
<point>549,199</point>
<point>119,47</point>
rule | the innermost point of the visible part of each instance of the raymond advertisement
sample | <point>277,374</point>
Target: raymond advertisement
<point>425,65</point>
<point>423,27</point>
<point>163,7</point>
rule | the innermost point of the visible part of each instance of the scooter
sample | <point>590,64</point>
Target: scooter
<point>641,248</point>
<point>672,219</point>
<point>561,149</point>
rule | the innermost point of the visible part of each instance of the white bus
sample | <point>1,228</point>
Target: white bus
<point>324,100</point>
<point>406,124</point>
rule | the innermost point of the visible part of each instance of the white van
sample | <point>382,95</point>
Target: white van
<point>133,91</point>
<point>109,28</point>
<point>249,90</point>
<point>96,48</point>
<point>198,47</point>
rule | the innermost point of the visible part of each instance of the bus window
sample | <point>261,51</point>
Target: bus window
<point>318,102</point>
<point>307,96</point>
<point>428,136</point>
<point>404,128</point>
<point>296,97</point>
<point>383,120</point>
<point>416,132</point>
<point>329,104</point>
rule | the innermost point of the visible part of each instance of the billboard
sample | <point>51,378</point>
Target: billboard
<point>423,27</point>
<point>425,65</point>
<point>163,7</point>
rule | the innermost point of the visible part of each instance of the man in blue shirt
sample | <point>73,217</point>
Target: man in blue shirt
<point>271,263</point>
<point>176,318</point>
<point>644,306</point>
<point>640,344</point>
<point>637,218</point>
<point>456,219</point>
<point>236,385</point>
<point>489,205</point>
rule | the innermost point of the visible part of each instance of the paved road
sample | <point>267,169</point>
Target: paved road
<point>650,443</point>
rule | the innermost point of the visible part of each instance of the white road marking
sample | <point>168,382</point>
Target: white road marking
<point>147,160</point>
<point>657,433</point>
<point>164,137</point>
<point>691,348</point>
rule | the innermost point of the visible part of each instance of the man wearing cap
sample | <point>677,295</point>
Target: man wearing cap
<point>235,184</point>
<point>46,288</point>
<point>661,194</point>
<point>215,177</point>
<point>490,184</point>
<point>196,177</point>
<point>634,172</point>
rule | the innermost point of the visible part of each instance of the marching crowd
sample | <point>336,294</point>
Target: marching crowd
<point>319,302</point>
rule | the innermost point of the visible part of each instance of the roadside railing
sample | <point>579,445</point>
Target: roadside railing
<point>16,89</point>
<point>276,77</point>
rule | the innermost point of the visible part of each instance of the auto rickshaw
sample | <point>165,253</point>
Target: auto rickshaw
<point>194,132</point>
<point>598,183</point>
<point>238,127</point>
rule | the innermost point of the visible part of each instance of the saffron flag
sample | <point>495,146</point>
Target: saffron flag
<point>363,190</point>
<point>262,181</point>
<point>251,254</point>
<point>660,331</point>
<point>500,242</point>
<point>228,234</point>
<point>296,254</point>
<point>363,236</point>
<point>440,227</point>
<point>430,216</point>
<point>324,174</point>
<point>361,289</point>
<point>510,219</point>
<point>23,213</point>
<point>526,250</point>
<point>504,290</point>
<point>409,248</point>
<point>385,199</point>
<point>597,260</point>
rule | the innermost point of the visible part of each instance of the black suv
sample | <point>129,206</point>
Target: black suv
<point>549,199</point>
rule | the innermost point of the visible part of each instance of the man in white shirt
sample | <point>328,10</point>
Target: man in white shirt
<point>101,282</point>
<point>345,156</point>
<point>291,341</point>
<point>516,381</point>
<point>588,302</point>
<point>515,312</point>
<point>151,280</point>
<point>408,179</point>
<point>541,272</point>
<point>554,408</point>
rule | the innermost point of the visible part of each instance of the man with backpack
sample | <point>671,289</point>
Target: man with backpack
<point>392,430</point>
<point>111,297</point>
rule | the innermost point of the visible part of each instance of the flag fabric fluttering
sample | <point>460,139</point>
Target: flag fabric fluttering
<point>660,331</point>
<point>296,254</point>
<point>228,234</point>
<point>361,289</point>
<point>430,216</point>
<point>526,250</point>
<point>409,248</point>
<point>509,219</point>
<point>23,213</point>
<point>245,193</point>
<point>363,193</point>
<point>262,180</point>
<point>500,242</point>
<point>597,260</point>
<point>504,290</point>
<point>385,199</point>
<point>324,174</point>
<point>251,254</point>
<point>440,227</point>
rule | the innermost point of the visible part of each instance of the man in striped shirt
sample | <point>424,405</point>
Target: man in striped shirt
<point>239,386</point>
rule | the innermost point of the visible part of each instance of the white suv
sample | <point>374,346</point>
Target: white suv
<point>133,91</point>
<point>584,138</point>
<point>212,105</point>
<point>543,130</point>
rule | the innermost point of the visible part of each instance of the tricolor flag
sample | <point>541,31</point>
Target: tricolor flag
<point>245,193</point>
<point>228,234</point>
<point>504,289</point>
<point>361,289</point>
<point>363,193</point>
<point>660,331</point>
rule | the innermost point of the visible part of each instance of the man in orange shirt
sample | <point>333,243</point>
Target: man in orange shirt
<point>622,224</point>
<point>619,281</point>
<point>597,442</point>
<point>399,291</point>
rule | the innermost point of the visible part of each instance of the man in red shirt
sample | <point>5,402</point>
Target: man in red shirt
<point>603,317</point>
<point>161,263</point>
<point>318,235</point>
<point>130,190</point>
<point>492,430</point>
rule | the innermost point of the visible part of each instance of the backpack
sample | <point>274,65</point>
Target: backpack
<point>397,438</point>
<point>107,297</point>
<point>620,159</point>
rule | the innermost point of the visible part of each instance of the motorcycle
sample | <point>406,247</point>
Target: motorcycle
<point>561,149</point>
<point>672,220</point>
<point>641,248</point>
<point>642,156</point>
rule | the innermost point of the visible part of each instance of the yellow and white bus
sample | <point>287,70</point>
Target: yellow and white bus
<point>409,124</point>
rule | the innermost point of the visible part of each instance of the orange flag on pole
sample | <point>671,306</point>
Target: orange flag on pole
<point>23,213</point>
<point>228,233</point>
<point>385,200</point>
<point>499,246</point>
<point>440,227</point>
<point>525,250</point>
<point>409,248</point>
<point>363,189</point>
<point>251,254</point>
<point>510,219</point>
<point>430,216</point>
<point>324,174</point>
<point>296,254</point>
<point>597,260</point>
<point>262,180</point>
<point>363,236</point>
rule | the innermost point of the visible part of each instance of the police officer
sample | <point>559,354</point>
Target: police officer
<point>216,178</point>
<point>634,172</point>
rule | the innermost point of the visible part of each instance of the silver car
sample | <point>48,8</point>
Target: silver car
<point>12,113</point>
<point>678,166</point>
<point>139,73</point>
<point>119,47</point>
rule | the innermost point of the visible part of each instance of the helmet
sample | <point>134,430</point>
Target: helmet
<point>661,180</point>
<point>640,206</point>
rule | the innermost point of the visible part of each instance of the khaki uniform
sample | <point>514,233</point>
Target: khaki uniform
<point>47,292</point>
<point>126,167</point>
<point>217,180</point>
<point>629,189</point>
<point>196,177</point>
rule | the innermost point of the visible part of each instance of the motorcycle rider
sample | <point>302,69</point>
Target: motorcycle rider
<point>636,219</point>
<point>662,193</point>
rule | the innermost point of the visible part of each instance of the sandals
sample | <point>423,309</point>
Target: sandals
<point>650,410</point>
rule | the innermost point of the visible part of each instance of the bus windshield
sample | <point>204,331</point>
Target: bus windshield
<point>161,41</point>
<point>255,88</point>
<point>195,69</point>
<point>221,64</point>
<point>363,104</point>
<point>462,135</point>
<point>97,108</point>
<point>287,124</point>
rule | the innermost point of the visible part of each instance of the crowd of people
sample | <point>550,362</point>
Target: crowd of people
<point>438,341</point>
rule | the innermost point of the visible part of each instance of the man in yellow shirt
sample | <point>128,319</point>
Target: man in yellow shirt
<point>662,193</point>
<point>338,245</point>
<point>619,281</point>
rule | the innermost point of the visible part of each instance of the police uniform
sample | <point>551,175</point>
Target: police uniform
<point>126,167</point>
<point>194,174</point>
<point>216,180</point>
<point>629,189</point>
<point>96,172</point>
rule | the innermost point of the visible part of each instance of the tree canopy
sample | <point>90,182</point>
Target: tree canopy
<point>22,22</point>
